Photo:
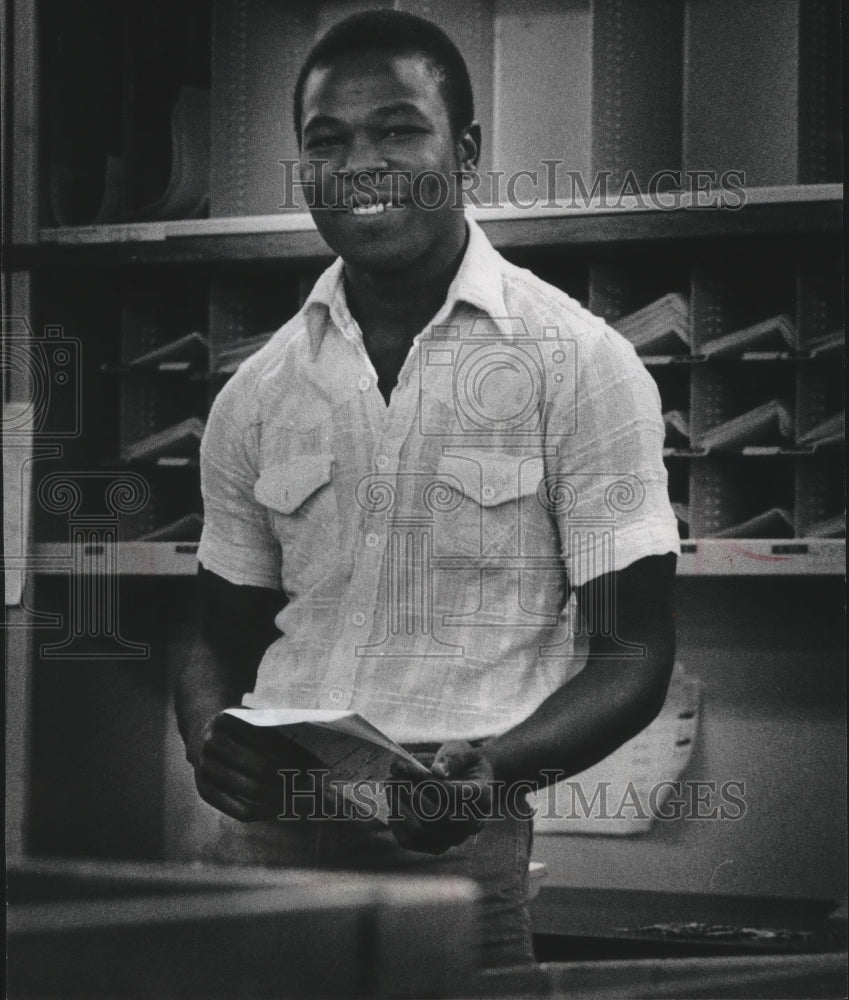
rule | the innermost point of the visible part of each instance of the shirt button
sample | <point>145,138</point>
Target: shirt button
<point>358,618</point>
<point>487,493</point>
<point>364,383</point>
<point>372,540</point>
<point>335,695</point>
<point>382,461</point>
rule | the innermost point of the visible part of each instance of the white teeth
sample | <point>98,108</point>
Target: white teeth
<point>375,209</point>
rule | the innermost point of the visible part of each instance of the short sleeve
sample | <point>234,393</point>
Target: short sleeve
<point>607,484</point>
<point>237,542</point>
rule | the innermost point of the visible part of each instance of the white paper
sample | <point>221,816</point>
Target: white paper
<point>353,751</point>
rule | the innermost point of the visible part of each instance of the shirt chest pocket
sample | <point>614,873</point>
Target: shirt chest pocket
<point>491,506</point>
<point>303,513</point>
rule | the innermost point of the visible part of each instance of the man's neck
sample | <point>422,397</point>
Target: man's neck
<point>391,307</point>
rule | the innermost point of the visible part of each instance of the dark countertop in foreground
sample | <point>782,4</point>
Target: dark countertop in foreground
<point>572,924</point>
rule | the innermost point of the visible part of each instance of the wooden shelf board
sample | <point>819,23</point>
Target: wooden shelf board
<point>706,557</point>
<point>293,237</point>
<point>132,558</point>
<point>763,557</point>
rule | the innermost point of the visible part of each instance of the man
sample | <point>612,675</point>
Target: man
<point>428,460</point>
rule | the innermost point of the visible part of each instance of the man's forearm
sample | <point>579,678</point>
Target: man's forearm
<point>206,686</point>
<point>584,721</point>
<point>614,697</point>
<point>237,626</point>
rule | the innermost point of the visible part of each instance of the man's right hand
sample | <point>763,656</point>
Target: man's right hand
<point>236,768</point>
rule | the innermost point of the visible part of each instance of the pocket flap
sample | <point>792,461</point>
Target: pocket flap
<point>285,487</point>
<point>490,478</point>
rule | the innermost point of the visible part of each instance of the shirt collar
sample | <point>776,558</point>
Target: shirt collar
<point>477,283</point>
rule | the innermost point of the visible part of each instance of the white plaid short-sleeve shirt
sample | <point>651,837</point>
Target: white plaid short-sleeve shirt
<point>428,547</point>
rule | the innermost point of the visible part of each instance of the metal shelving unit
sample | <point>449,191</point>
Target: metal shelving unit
<point>789,210</point>
<point>708,557</point>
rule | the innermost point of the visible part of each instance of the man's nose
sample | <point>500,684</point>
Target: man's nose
<point>365,156</point>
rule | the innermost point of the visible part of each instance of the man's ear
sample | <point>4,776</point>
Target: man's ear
<point>469,146</point>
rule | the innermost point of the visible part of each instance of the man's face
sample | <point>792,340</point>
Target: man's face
<point>378,147</point>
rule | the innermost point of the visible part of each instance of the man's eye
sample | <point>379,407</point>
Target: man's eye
<point>323,141</point>
<point>401,130</point>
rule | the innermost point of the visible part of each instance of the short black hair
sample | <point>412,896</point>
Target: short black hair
<point>397,32</point>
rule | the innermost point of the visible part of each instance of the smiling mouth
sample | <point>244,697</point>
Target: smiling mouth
<point>373,208</point>
<point>378,208</point>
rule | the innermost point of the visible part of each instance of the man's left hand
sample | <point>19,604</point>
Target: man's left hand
<point>432,812</point>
